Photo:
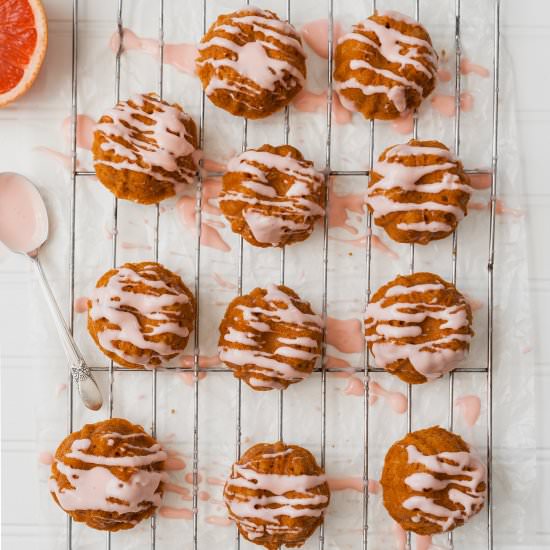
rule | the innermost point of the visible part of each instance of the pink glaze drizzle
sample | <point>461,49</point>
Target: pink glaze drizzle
<point>345,335</point>
<point>215,481</point>
<point>85,127</point>
<point>339,205</point>
<point>311,102</point>
<point>315,35</point>
<point>353,484</point>
<point>174,463</point>
<point>180,56</point>
<point>62,158</point>
<point>481,181</point>
<point>467,67</point>
<point>170,512</point>
<point>404,124</point>
<point>81,304</point>
<point>423,542</point>
<point>222,282</point>
<point>218,520</point>
<point>210,236</point>
<point>444,75</point>
<point>46,458</point>
<point>470,407</point>
<point>445,104</point>
<point>396,400</point>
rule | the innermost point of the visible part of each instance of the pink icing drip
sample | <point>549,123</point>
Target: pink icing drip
<point>473,205</point>
<point>355,386</point>
<point>400,536</point>
<point>470,407</point>
<point>346,335</point>
<point>396,400</point>
<point>481,181</point>
<point>467,67</point>
<point>444,75</point>
<point>501,209</point>
<point>218,520</point>
<point>85,127</point>
<point>189,478</point>
<point>353,484</point>
<point>215,481</point>
<point>46,458</point>
<point>62,158</point>
<point>315,35</point>
<point>184,492</point>
<point>423,542</point>
<point>338,207</point>
<point>180,56</point>
<point>205,361</point>
<point>189,377</point>
<point>213,166</point>
<point>174,463</point>
<point>445,104</point>
<point>210,236</point>
<point>223,283</point>
<point>134,246</point>
<point>404,124</point>
<point>170,512</point>
<point>81,304</point>
<point>311,102</point>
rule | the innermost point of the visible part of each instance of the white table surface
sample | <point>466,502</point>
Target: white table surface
<point>526,36</point>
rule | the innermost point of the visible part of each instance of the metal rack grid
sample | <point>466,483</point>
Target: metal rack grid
<point>366,369</point>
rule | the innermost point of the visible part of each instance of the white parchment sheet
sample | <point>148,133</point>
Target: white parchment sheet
<point>514,467</point>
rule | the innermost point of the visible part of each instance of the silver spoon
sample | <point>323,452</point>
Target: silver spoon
<point>24,229</point>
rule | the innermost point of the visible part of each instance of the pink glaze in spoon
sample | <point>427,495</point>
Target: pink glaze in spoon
<point>24,229</point>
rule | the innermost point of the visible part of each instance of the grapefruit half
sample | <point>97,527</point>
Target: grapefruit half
<point>23,41</point>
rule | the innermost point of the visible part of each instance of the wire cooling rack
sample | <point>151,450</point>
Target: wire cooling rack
<point>322,370</point>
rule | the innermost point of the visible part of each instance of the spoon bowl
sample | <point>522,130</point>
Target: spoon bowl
<point>23,230</point>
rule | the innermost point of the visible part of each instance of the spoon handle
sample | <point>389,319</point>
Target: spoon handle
<point>87,387</point>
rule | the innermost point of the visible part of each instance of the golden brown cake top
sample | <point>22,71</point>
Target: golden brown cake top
<point>249,55</point>
<point>419,318</point>
<point>270,337</point>
<point>388,54</point>
<point>111,466</point>
<point>277,494</point>
<point>432,481</point>
<point>275,193</point>
<point>418,191</point>
<point>148,135</point>
<point>141,313</point>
